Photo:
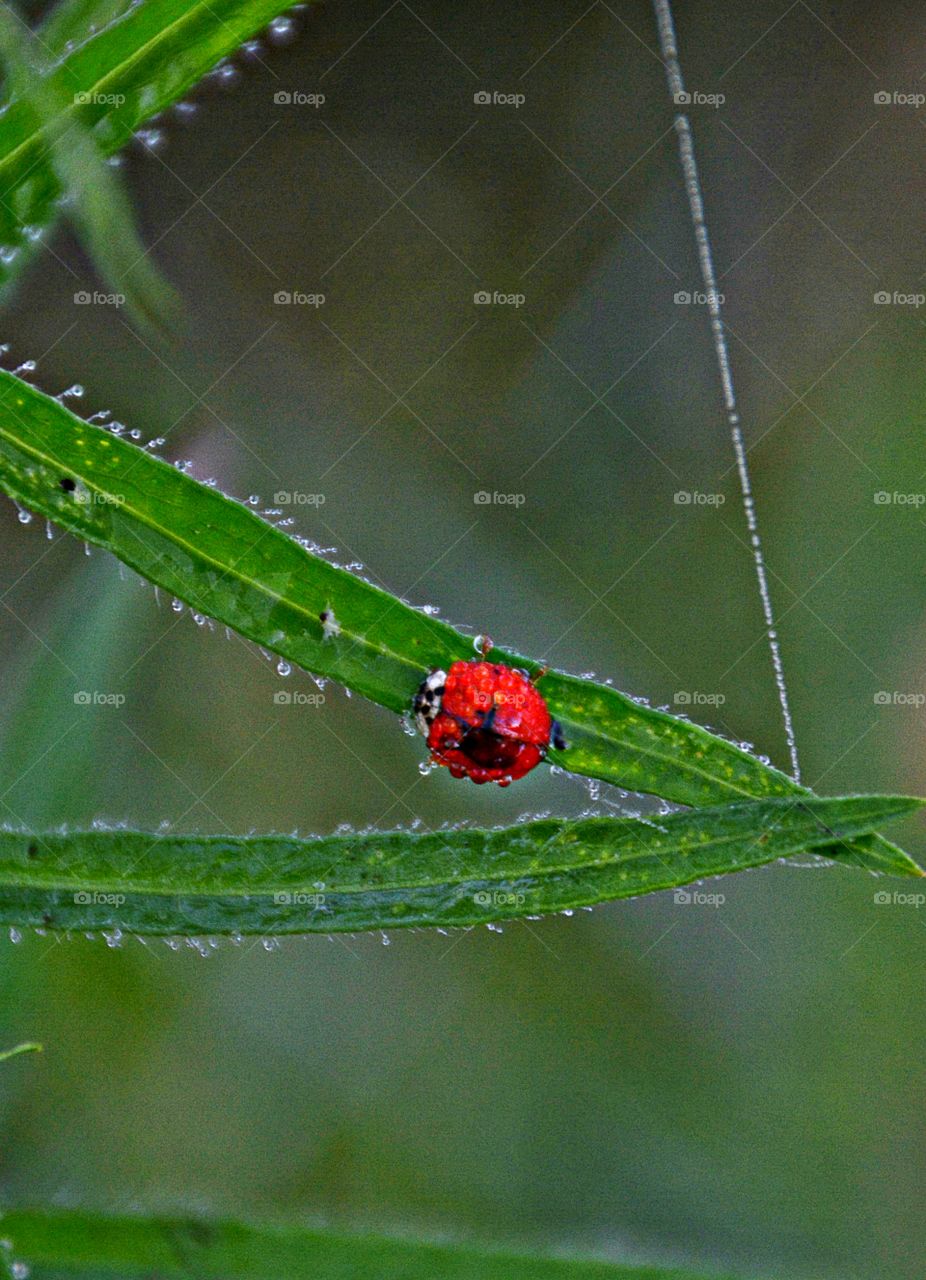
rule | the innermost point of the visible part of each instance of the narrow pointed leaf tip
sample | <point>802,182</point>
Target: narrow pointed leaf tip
<point>142,883</point>
<point>29,1047</point>
<point>227,563</point>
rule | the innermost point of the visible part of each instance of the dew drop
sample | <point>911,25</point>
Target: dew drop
<point>151,139</point>
<point>15,935</point>
<point>281,30</point>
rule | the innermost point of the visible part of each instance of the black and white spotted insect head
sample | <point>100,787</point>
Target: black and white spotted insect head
<point>428,700</point>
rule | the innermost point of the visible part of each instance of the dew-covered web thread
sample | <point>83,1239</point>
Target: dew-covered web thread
<point>669,49</point>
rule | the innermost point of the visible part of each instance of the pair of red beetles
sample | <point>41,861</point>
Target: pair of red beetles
<point>486,721</point>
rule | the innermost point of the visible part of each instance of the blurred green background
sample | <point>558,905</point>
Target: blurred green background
<point>739,1085</point>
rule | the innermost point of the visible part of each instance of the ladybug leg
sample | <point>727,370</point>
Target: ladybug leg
<point>486,645</point>
<point>488,720</point>
<point>557,737</point>
<point>538,675</point>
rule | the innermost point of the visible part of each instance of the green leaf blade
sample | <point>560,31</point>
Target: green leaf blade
<point>78,166</point>
<point>75,1243</point>
<point>223,560</point>
<point>141,62</point>
<point>30,1046</point>
<point>266,885</point>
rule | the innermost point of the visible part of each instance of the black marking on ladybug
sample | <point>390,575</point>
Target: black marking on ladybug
<point>428,700</point>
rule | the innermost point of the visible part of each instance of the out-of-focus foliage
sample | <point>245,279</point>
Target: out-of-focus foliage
<point>77,91</point>
<point>70,153</point>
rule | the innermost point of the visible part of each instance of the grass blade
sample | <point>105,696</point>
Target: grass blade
<point>29,1047</point>
<point>228,563</point>
<point>132,69</point>
<point>74,1243</point>
<point>101,209</point>
<point>170,884</point>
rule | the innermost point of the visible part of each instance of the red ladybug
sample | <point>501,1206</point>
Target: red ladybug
<point>485,721</point>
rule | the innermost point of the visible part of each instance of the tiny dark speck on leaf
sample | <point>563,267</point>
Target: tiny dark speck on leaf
<point>201,1233</point>
<point>68,485</point>
<point>33,850</point>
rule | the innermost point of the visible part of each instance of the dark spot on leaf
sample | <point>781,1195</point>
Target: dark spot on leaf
<point>68,485</point>
<point>201,1233</point>
<point>33,850</point>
